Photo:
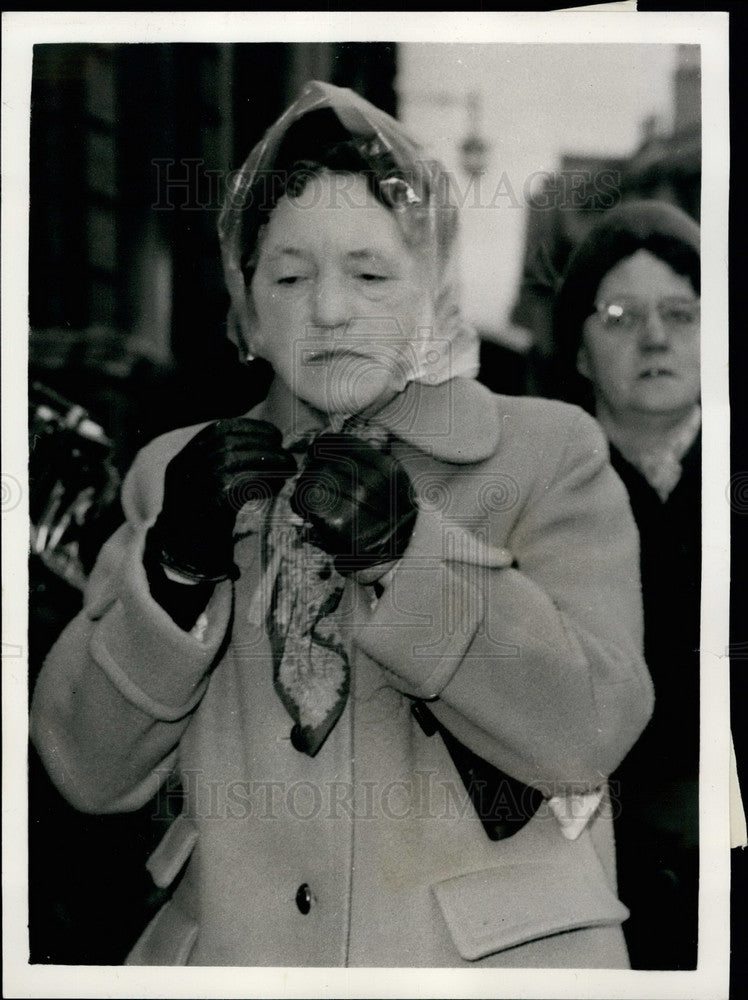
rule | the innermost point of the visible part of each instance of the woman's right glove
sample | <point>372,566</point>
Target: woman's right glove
<point>357,500</point>
<point>225,465</point>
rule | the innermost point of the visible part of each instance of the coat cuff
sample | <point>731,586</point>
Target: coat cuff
<point>155,664</point>
<point>427,617</point>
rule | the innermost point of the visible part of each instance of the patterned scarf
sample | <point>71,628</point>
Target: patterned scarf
<point>311,665</point>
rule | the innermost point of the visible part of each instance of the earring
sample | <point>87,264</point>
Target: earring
<point>250,356</point>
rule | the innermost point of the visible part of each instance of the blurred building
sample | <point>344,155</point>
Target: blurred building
<point>668,166</point>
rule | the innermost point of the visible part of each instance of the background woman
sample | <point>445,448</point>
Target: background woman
<point>628,327</point>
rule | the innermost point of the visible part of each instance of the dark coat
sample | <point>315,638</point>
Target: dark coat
<point>656,787</point>
<point>670,536</point>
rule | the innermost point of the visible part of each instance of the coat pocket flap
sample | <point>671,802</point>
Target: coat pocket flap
<point>175,847</point>
<point>489,911</point>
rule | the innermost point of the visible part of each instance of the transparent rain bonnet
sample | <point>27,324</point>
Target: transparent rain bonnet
<point>415,189</point>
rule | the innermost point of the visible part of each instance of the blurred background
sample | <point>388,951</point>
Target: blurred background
<point>131,146</point>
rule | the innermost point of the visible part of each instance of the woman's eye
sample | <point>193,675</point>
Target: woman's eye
<point>369,276</point>
<point>290,279</point>
<point>679,315</point>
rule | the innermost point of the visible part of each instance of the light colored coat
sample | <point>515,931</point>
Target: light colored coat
<point>536,668</point>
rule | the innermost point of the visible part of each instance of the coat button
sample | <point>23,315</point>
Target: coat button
<point>304,898</point>
<point>298,742</point>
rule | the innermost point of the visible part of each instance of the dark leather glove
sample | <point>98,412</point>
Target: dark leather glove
<point>358,502</point>
<point>225,465</point>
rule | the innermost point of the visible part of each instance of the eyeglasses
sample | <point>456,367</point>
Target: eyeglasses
<point>626,315</point>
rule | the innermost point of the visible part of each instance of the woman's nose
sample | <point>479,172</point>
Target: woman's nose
<point>654,334</point>
<point>330,305</point>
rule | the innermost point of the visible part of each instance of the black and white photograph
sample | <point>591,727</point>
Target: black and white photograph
<point>366,594</point>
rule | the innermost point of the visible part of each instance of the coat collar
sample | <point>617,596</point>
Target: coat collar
<point>456,421</point>
<point>662,467</point>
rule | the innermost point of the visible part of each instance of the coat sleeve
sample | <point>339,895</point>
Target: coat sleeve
<point>537,668</point>
<point>121,683</point>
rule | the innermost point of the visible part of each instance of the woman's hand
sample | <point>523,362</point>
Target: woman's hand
<point>358,502</point>
<point>225,465</point>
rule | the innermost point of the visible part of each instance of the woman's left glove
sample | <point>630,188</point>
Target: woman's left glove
<point>357,501</point>
<point>205,485</point>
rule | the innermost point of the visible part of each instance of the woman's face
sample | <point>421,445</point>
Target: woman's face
<point>643,361</point>
<point>339,298</point>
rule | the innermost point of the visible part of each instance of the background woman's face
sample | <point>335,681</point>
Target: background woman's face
<point>651,369</point>
<point>339,298</point>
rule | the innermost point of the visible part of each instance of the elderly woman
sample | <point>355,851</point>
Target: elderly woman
<point>385,628</point>
<point>627,324</point>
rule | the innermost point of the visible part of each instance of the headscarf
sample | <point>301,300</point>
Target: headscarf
<point>415,189</point>
<point>665,231</point>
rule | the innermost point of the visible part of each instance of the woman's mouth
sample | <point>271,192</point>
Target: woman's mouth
<point>321,356</point>
<point>656,372</point>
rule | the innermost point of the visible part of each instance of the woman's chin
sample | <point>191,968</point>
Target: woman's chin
<point>347,398</point>
<point>665,399</point>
